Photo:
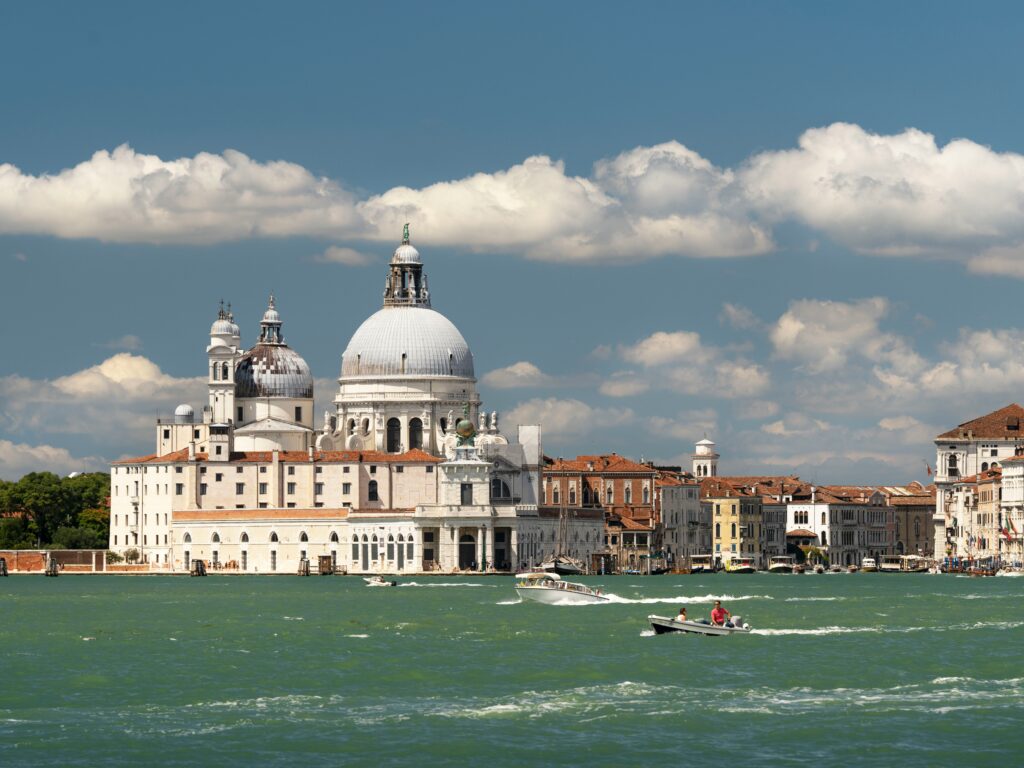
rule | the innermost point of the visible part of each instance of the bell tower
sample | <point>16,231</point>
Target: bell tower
<point>705,459</point>
<point>406,284</point>
<point>224,348</point>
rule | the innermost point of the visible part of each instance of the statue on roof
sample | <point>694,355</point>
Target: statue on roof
<point>405,234</point>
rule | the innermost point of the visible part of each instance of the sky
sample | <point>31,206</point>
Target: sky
<point>794,227</point>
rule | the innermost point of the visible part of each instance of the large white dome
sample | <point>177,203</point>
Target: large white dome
<point>430,342</point>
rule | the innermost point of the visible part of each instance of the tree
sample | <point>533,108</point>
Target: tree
<point>79,537</point>
<point>14,533</point>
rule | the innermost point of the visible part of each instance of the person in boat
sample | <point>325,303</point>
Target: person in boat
<point>682,614</point>
<point>719,614</point>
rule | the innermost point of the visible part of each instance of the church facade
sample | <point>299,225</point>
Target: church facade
<point>408,474</point>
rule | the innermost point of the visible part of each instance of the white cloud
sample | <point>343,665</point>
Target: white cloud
<point>126,196</point>
<point>17,459</point>
<point>795,425</point>
<point>350,257</point>
<point>824,334</point>
<point>756,409</point>
<point>521,374</point>
<point>624,384</point>
<point>566,418</point>
<point>1000,260</point>
<point>899,194</point>
<point>688,425</point>
<point>739,317</point>
<point>662,347</point>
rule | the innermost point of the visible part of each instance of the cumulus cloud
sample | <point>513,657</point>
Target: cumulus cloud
<point>517,375</point>
<point>795,425</point>
<point>662,347</point>
<point>567,418</point>
<point>624,384</point>
<point>17,459</point>
<point>739,317</point>
<point>350,257</point>
<point>899,194</point>
<point>115,400</point>
<point>824,334</point>
<point>1000,260</point>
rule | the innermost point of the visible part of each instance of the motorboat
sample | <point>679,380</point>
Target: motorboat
<point>819,568</point>
<point>781,564</point>
<point>378,581</point>
<point>868,565</point>
<point>914,564</point>
<point>663,625</point>
<point>702,564</point>
<point>549,588</point>
<point>852,568</point>
<point>799,568</point>
<point>740,565</point>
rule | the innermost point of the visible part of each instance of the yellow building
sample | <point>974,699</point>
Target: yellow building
<point>737,525</point>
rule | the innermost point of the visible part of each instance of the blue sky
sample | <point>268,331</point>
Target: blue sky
<point>794,226</point>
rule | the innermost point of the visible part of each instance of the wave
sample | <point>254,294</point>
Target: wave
<point>293,618</point>
<point>889,629</point>
<point>812,599</point>
<point>445,584</point>
<point>685,599</point>
<point>509,602</point>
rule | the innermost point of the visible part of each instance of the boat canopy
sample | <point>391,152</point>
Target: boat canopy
<point>537,575</point>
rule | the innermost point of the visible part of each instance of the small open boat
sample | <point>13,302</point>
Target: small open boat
<point>549,588</point>
<point>378,581</point>
<point>663,625</point>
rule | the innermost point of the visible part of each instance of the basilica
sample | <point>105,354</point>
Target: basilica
<point>407,474</point>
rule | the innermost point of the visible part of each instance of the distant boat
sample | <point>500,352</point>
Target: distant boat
<point>868,565</point>
<point>740,565</point>
<point>562,565</point>
<point>549,588</point>
<point>781,564</point>
<point>378,581</point>
<point>702,564</point>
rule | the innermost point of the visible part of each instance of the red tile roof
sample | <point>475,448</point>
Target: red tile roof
<point>1006,423</point>
<point>802,533</point>
<point>414,456</point>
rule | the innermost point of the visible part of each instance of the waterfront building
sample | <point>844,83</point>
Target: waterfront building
<point>736,520</point>
<point>973,447</point>
<point>408,474</point>
<point>685,522</point>
<point>1010,522</point>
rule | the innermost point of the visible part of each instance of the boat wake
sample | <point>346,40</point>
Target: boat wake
<point>685,599</point>
<point>889,629</point>
<point>445,584</point>
<point>812,599</point>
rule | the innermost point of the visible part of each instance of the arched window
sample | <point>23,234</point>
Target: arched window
<point>391,547</point>
<point>952,465</point>
<point>415,433</point>
<point>629,494</point>
<point>334,538</point>
<point>245,538</point>
<point>444,425</point>
<point>984,466</point>
<point>187,538</point>
<point>718,530</point>
<point>824,539</point>
<point>610,494</point>
<point>366,427</point>
<point>647,495</point>
<point>374,550</point>
<point>273,538</point>
<point>215,538</point>
<point>572,496</point>
<point>733,532</point>
<point>822,518</point>
<point>917,527</point>
<point>555,495</point>
<point>371,491</point>
<point>394,436</point>
<point>224,372</point>
<point>215,371</point>
<point>586,494</point>
<point>351,426</point>
<point>303,536</point>
<point>500,489</point>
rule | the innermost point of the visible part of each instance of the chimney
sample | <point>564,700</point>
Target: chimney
<point>814,494</point>
<point>192,450</point>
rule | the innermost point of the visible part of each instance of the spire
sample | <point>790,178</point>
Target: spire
<point>406,283</point>
<point>270,326</point>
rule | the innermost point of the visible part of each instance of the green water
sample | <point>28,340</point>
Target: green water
<point>842,669</point>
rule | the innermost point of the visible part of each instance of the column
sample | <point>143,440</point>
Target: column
<point>513,547</point>
<point>480,550</point>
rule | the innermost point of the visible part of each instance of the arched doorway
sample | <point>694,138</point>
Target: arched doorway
<point>394,435</point>
<point>415,433</point>
<point>467,551</point>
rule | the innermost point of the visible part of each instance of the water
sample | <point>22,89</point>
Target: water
<point>841,669</point>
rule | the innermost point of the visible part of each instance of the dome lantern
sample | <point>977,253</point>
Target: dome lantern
<point>406,283</point>
<point>272,368</point>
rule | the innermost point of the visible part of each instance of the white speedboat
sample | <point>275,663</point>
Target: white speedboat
<point>378,581</point>
<point>781,564</point>
<point>868,565</point>
<point>549,588</point>
<point>663,625</point>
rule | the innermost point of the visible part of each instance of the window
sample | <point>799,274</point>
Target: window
<point>554,495</point>
<point>273,560</point>
<point>319,470</point>
<point>215,538</point>
<point>394,435</point>
<point>291,489</point>
<point>318,488</point>
<point>273,537</point>
<point>718,530</point>
<point>218,477</point>
<point>415,433</point>
<point>202,470</point>
<point>179,488</point>
<point>238,470</point>
<point>298,413</point>
<point>647,495</point>
<point>291,470</point>
<point>373,469</point>
<point>202,489</point>
<point>218,450</point>
<point>245,538</point>
<point>467,494</point>
<point>187,538</point>
<point>262,487</point>
<point>303,537</point>
<point>371,491</point>
<point>334,538</point>
<point>167,434</point>
<point>610,495</point>
<point>195,434</point>
<point>177,470</point>
<point>572,495</point>
<point>263,470</point>
<point>346,488</point>
<point>344,470</point>
<point>629,495</point>
<point>239,489</point>
<point>239,414</point>
<point>399,469</point>
<point>430,469</point>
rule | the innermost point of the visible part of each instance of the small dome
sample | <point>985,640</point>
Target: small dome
<point>223,327</point>
<point>184,410</point>
<point>407,341</point>
<point>273,370</point>
<point>406,254</point>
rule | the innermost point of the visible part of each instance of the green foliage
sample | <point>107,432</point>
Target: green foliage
<point>131,555</point>
<point>44,510</point>
<point>114,557</point>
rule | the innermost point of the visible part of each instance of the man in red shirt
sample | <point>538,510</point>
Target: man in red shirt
<point>719,614</point>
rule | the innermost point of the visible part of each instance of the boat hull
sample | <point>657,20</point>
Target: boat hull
<point>554,596</point>
<point>780,569</point>
<point>663,625</point>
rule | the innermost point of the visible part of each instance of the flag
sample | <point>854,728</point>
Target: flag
<point>1010,523</point>
<point>1006,533</point>
<point>928,468</point>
